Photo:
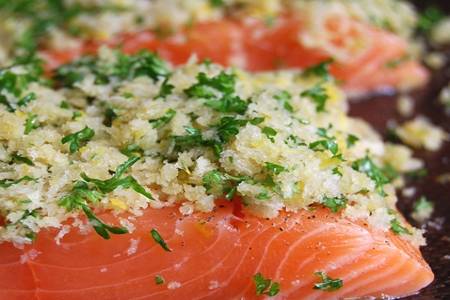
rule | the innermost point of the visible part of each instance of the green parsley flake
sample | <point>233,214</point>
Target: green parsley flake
<point>218,93</point>
<point>31,123</point>
<point>328,143</point>
<point>110,116</point>
<point>270,133</point>
<point>165,89</point>
<point>284,98</point>
<point>165,119</point>
<point>158,239</point>
<point>6,183</point>
<point>159,280</point>
<point>335,204</point>
<point>318,95</point>
<point>78,139</point>
<point>221,183</point>
<point>398,229</point>
<point>351,140</point>
<point>368,167</point>
<point>265,286</point>
<point>109,185</point>
<point>19,159</point>
<point>321,70</point>
<point>327,284</point>
<point>78,198</point>
<point>274,168</point>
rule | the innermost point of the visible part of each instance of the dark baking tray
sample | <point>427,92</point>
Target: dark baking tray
<point>379,110</point>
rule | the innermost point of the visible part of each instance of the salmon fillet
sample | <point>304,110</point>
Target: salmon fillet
<point>215,256</point>
<point>372,59</point>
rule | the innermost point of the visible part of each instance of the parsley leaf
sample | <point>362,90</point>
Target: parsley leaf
<point>165,89</point>
<point>110,116</point>
<point>117,180</point>
<point>131,150</point>
<point>27,99</point>
<point>284,98</point>
<point>78,138</point>
<point>274,168</point>
<point>77,199</point>
<point>398,229</point>
<point>335,204</point>
<point>429,18</point>
<point>158,238</point>
<point>218,93</point>
<point>221,183</point>
<point>328,143</point>
<point>368,167</point>
<point>6,183</point>
<point>192,139</point>
<point>166,118</point>
<point>126,67</point>
<point>321,70</point>
<point>270,133</point>
<point>159,279</point>
<point>327,284</point>
<point>351,140</point>
<point>318,95</point>
<point>265,286</point>
<point>216,3</point>
<point>17,158</point>
<point>31,123</point>
<point>101,228</point>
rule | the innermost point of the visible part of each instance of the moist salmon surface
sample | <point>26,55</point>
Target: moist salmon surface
<point>214,256</point>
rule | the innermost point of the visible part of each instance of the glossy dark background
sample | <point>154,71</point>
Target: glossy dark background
<point>378,111</point>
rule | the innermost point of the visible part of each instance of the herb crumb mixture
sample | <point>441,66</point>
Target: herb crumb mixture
<point>124,133</point>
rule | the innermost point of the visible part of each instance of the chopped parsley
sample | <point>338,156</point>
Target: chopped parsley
<point>270,133</point>
<point>429,18</point>
<point>327,284</point>
<point>335,204</point>
<point>417,174</point>
<point>158,239</point>
<point>398,229</point>
<point>125,67</point>
<point>6,183</point>
<point>218,93</point>
<point>165,89</point>
<point>274,168</point>
<point>165,119</point>
<point>82,194</point>
<point>77,139</point>
<point>265,286</point>
<point>263,196</point>
<point>132,150</point>
<point>192,139</point>
<point>321,70</point>
<point>318,95</point>
<point>118,180</point>
<point>351,140</point>
<point>159,280</point>
<point>285,99</point>
<point>19,159</point>
<point>31,123</point>
<point>294,141</point>
<point>110,116</point>
<point>27,99</point>
<point>336,171</point>
<point>79,198</point>
<point>216,3</point>
<point>367,166</point>
<point>221,183</point>
<point>327,143</point>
